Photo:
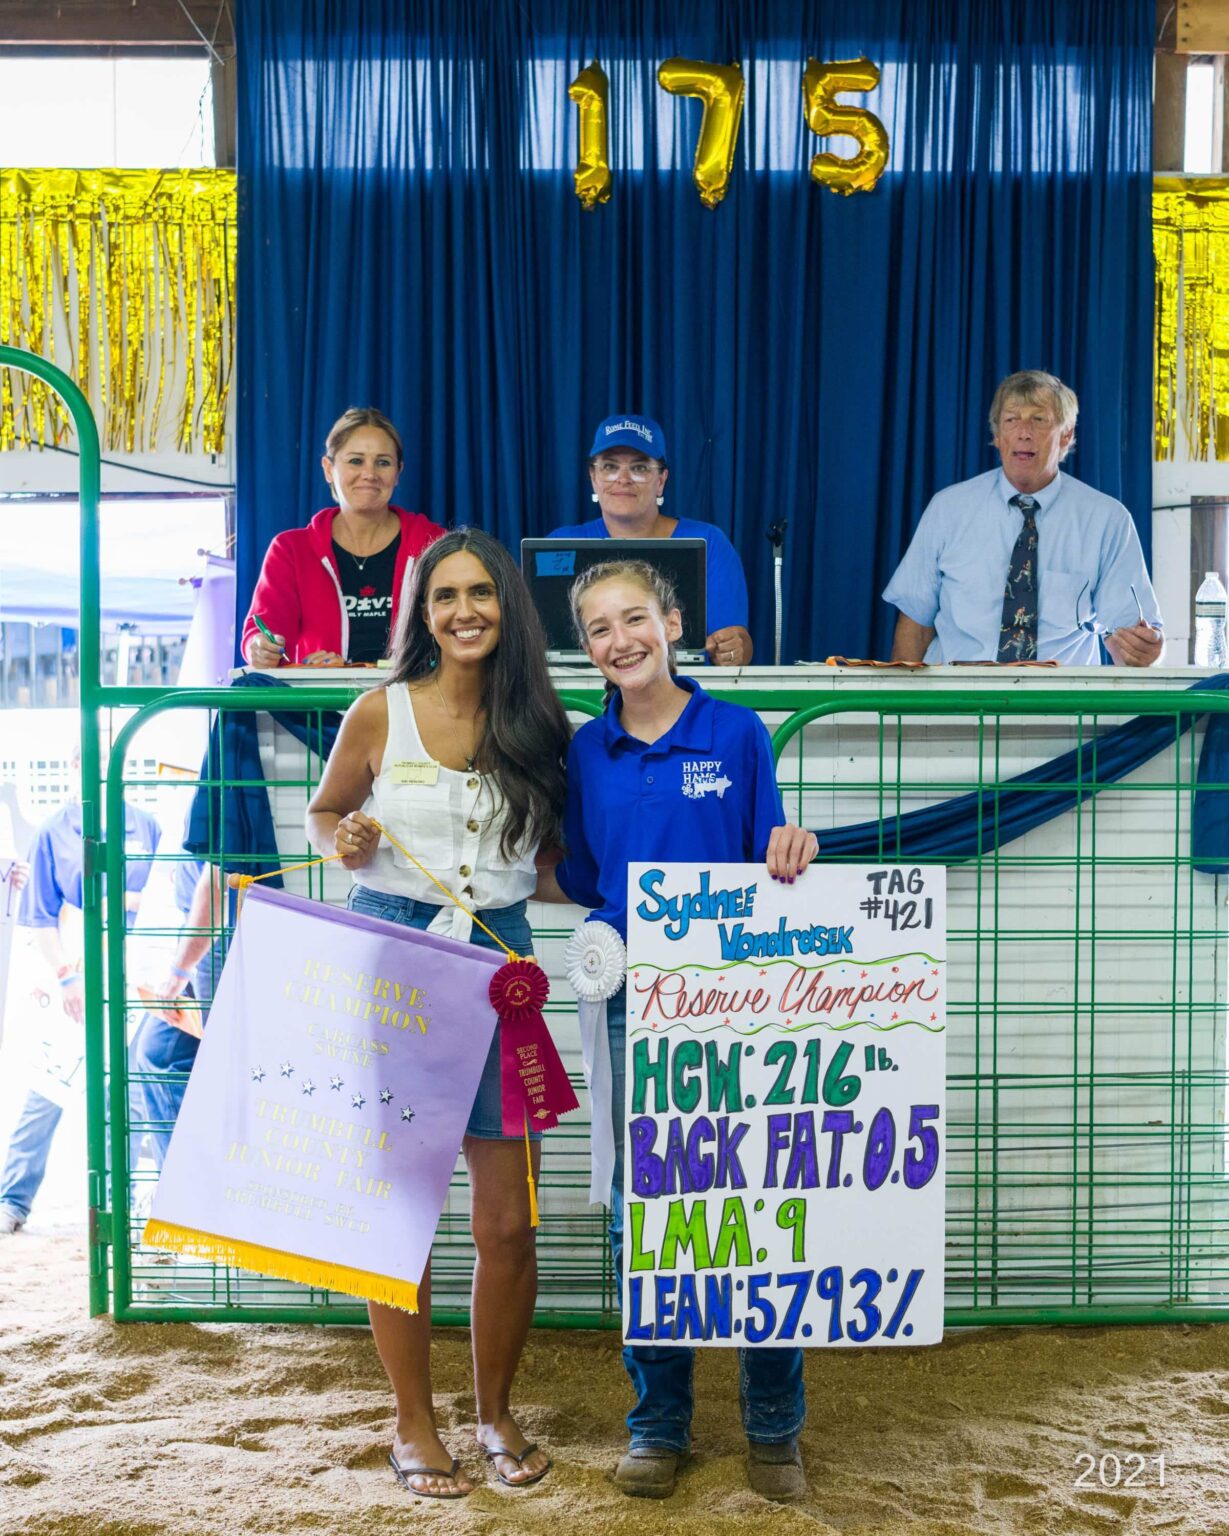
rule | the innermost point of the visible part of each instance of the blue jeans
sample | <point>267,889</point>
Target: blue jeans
<point>29,1148</point>
<point>770,1389</point>
<point>159,1060</point>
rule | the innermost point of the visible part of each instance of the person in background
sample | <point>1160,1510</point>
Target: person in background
<point>164,1047</point>
<point>51,905</point>
<point>628,802</point>
<point>1024,563</point>
<point>628,474</point>
<point>329,593</point>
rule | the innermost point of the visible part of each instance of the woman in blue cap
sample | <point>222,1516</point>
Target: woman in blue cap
<point>627,470</point>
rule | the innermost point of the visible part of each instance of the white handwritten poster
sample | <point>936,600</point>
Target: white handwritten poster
<point>785,1106</point>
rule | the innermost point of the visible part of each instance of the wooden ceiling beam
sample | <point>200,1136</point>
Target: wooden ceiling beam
<point>1203,26</point>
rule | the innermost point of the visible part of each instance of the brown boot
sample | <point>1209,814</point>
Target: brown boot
<point>647,1472</point>
<point>775,1471</point>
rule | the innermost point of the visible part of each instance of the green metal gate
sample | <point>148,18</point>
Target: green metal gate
<point>1086,1024</point>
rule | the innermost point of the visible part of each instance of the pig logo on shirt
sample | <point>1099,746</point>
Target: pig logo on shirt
<point>703,778</point>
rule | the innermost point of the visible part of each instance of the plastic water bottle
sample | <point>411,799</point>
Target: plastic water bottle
<point>1210,604</point>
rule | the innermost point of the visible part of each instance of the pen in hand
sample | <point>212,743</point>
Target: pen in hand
<point>269,635</point>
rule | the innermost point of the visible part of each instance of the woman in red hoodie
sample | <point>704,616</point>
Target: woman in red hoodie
<point>329,593</point>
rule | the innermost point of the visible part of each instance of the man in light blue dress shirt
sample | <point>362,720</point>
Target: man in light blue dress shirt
<point>950,586</point>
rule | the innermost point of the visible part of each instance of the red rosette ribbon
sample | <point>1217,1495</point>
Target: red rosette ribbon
<point>533,1083</point>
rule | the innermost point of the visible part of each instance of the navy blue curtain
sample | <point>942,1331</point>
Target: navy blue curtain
<point>410,237</point>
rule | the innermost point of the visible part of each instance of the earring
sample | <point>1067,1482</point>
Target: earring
<point>661,501</point>
<point>592,495</point>
<point>435,654</point>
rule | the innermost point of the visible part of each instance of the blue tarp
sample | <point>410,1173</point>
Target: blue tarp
<point>974,824</point>
<point>153,605</point>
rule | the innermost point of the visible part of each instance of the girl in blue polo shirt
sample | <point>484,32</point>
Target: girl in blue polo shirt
<point>668,773</point>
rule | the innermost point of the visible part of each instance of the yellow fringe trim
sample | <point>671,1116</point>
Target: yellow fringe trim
<point>402,1294</point>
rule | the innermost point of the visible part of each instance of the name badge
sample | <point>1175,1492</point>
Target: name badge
<point>425,771</point>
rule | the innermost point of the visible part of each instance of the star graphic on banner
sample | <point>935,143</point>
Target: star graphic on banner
<point>286,1069</point>
<point>258,1074</point>
<point>935,972</point>
<point>386,1095</point>
<point>335,1084</point>
<point>895,1016</point>
<point>358,1101</point>
<point>407,1114</point>
<point>863,977</point>
<point>308,1087</point>
<point>933,1017</point>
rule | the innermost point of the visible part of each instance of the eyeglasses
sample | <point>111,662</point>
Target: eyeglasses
<point>1091,625</point>
<point>639,471</point>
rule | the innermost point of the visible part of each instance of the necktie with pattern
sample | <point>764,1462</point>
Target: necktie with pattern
<point>1018,632</point>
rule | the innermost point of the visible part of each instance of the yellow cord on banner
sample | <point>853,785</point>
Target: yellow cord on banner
<point>512,955</point>
<point>241,883</point>
<point>533,1192</point>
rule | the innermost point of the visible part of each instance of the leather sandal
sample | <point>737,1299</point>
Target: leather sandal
<point>775,1471</point>
<point>648,1472</point>
<point>405,1473</point>
<point>491,1451</point>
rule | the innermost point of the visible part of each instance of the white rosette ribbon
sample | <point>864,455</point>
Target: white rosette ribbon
<point>596,965</point>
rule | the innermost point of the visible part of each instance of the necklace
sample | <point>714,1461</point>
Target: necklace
<point>470,756</point>
<point>361,560</point>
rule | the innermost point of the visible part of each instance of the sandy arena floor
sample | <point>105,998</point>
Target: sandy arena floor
<point>138,1430</point>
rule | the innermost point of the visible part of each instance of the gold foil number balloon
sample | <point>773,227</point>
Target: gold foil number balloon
<point>826,116</point>
<point>591,91</point>
<point>720,87</point>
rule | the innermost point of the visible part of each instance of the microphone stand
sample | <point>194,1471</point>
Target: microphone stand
<point>776,537</point>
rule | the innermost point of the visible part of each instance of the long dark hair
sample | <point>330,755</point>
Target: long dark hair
<point>524,746</point>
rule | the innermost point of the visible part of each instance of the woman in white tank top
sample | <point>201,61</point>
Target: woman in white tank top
<point>461,756</point>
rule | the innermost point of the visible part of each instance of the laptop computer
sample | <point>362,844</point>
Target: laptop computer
<point>550,566</point>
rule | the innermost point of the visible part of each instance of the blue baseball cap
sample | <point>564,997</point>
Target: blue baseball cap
<point>625,431</point>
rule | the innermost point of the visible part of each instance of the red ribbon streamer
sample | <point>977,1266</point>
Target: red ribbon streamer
<point>533,1083</point>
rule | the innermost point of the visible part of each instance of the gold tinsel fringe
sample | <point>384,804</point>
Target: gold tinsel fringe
<point>1190,238</point>
<point>282,1266</point>
<point>126,279</point>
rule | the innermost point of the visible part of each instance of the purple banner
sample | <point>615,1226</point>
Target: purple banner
<point>329,1099</point>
